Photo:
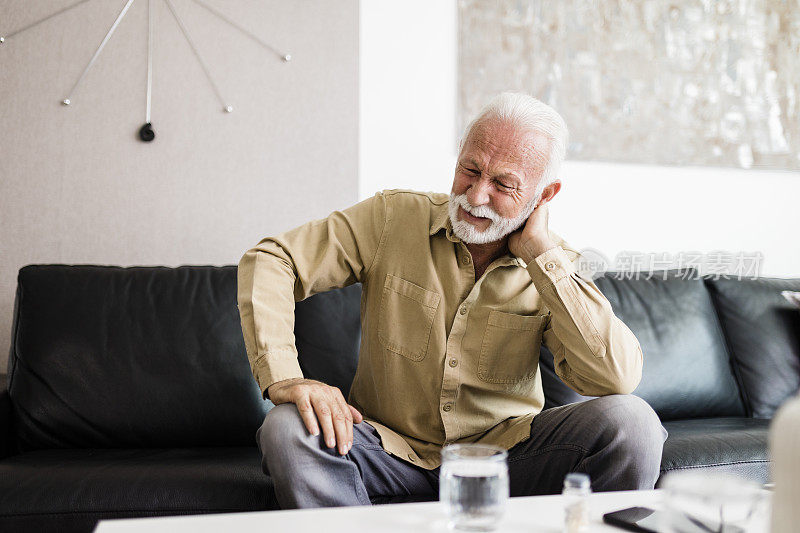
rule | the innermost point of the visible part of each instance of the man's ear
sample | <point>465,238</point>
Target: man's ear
<point>549,192</point>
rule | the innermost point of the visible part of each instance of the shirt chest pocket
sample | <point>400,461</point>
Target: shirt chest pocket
<point>510,347</point>
<point>406,317</point>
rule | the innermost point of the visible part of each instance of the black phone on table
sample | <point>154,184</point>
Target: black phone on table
<point>645,520</point>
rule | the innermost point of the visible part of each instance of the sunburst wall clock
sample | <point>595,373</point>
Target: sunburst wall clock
<point>146,132</point>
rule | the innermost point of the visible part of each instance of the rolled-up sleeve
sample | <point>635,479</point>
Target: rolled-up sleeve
<point>318,256</point>
<point>594,352</point>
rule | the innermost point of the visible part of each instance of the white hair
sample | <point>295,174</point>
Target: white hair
<point>527,113</point>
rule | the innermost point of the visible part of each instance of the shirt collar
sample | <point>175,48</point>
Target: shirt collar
<point>440,220</point>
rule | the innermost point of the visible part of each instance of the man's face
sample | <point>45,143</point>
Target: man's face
<point>496,179</point>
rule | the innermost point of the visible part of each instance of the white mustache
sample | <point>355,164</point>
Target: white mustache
<point>482,211</point>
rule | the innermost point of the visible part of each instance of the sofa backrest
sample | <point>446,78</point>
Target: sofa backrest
<point>763,333</point>
<point>107,356</point>
<point>687,371</point>
<point>327,333</point>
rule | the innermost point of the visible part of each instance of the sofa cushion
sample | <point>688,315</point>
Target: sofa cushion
<point>687,372</point>
<point>327,332</point>
<point>75,488</point>
<point>108,357</point>
<point>730,445</point>
<point>763,333</point>
<point>556,392</point>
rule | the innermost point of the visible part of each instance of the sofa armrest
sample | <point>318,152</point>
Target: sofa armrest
<point>5,418</point>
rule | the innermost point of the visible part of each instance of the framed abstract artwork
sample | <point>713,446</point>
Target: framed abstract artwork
<point>679,82</point>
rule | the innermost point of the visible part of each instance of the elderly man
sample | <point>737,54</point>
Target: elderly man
<point>458,295</point>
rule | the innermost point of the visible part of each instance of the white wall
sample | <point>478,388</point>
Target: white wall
<point>77,186</point>
<point>614,207</point>
<point>407,136</point>
<point>407,92</point>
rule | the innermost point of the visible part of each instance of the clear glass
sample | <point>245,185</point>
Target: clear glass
<point>726,503</point>
<point>473,486</point>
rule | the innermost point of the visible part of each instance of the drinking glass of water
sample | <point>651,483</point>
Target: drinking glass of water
<point>473,485</point>
<point>715,502</point>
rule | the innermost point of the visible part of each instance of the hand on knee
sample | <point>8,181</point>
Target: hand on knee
<point>319,406</point>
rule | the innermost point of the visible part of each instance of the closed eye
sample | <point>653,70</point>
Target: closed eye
<point>472,171</point>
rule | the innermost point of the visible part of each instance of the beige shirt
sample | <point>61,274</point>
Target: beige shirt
<point>444,358</point>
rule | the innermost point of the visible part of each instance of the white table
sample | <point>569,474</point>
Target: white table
<point>525,514</point>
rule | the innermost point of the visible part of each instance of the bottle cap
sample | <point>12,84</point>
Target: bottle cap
<point>577,480</point>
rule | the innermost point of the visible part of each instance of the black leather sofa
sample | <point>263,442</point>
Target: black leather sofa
<point>129,393</point>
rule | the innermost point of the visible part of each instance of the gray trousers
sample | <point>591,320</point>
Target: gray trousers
<point>616,439</point>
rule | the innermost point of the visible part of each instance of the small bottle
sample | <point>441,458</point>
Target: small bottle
<point>576,502</point>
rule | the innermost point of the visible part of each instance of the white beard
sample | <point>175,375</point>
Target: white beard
<point>499,228</point>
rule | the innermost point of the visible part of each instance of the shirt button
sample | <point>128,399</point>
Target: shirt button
<point>550,265</point>
<point>466,260</point>
<point>453,362</point>
<point>463,310</point>
<point>447,407</point>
